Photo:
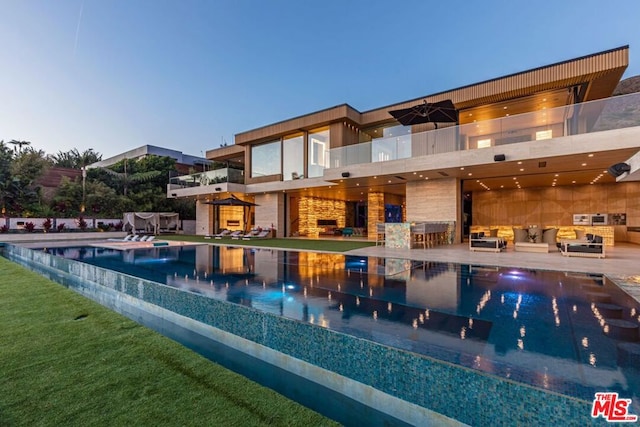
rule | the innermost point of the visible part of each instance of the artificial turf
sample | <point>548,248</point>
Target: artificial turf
<point>66,360</point>
<point>289,243</point>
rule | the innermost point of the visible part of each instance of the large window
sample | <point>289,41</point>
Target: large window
<point>319,145</point>
<point>265,159</point>
<point>293,158</point>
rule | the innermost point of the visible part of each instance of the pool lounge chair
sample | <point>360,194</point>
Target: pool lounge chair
<point>223,233</point>
<point>150,238</point>
<point>261,235</point>
<point>136,238</point>
<point>126,238</point>
<point>236,235</point>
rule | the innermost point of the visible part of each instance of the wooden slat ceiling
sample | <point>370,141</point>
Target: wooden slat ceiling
<point>541,172</point>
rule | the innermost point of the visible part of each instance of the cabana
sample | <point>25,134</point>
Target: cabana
<point>151,222</point>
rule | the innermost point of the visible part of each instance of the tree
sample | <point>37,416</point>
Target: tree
<point>73,159</point>
<point>124,177</point>
<point>22,195</point>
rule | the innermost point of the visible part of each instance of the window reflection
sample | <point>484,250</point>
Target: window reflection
<point>319,145</point>
<point>293,158</point>
<point>265,159</point>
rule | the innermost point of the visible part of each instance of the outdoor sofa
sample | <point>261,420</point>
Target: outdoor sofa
<point>591,247</point>
<point>478,242</point>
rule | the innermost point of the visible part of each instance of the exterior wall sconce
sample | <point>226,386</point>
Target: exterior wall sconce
<point>218,189</point>
<point>346,174</point>
<point>499,158</point>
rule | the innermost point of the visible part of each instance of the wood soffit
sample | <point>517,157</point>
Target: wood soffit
<point>600,72</point>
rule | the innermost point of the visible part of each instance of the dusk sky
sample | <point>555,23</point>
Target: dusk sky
<point>114,75</point>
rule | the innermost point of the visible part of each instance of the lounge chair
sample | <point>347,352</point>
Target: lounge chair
<point>223,233</point>
<point>126,238</point>
<point>135,238</point>
<point>261,235</point>
<point>236,235</point>
<point>150,238</point>
<point>143,238</point>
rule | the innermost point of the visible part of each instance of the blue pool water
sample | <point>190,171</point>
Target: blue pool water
<point>558,331</point>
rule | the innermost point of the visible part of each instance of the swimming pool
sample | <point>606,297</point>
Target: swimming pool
<point>543,328</point>
<point>555,331</point>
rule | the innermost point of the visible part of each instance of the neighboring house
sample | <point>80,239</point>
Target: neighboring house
<point>527,148</point>
<point>184,163</point>
<point>52,177</point>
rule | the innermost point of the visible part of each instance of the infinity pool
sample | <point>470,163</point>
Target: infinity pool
<point>564,332</point>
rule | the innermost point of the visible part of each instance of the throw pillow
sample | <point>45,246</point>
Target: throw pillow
<point>493,232</point>
<point>549,236</point>
<point>520,235</point>
<point>579,234</point>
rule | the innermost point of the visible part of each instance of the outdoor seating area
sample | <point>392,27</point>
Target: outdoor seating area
<point>590,247</point>
<point>478,242</point>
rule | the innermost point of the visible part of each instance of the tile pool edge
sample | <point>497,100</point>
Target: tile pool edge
<point>380,376</point>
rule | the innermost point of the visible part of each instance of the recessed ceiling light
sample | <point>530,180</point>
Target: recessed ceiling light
<point>521,170</point>
<point>357,184</point>
<point>461,169</point>
<point>584,164</point>
<point>477,180</point>
<point>427,178</point>
<point>415,173</point>
<point>573,182</point>
<point>591,155</point>
<point>375,177</point>
<point>420,176</point>
<point>470,174</point>
<point>502,186</point>
<point>389,181</point>
<point>515,178</point>
<point>556,175</point>
<point>519,163</point>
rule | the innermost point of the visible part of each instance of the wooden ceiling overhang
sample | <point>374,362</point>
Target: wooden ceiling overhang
<point>594,76</point>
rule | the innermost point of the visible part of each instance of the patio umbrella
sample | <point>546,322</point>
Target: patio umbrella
<point>438,112</point>
<point>233,201</point>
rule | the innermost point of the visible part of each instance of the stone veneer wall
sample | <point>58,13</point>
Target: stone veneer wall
<point>469,396</point>
<point>435,200</point>
<point>270,212</point>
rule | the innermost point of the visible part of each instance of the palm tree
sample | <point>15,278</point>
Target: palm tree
<point>126,178</point>
<point>19,144</point>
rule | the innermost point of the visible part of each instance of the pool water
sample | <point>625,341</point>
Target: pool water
<point>555,330</point>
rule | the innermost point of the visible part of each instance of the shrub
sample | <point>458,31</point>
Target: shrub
<point>4,229</point>
<point>47,224</point>
<point>61,227</point>
<point>29,226</point>
<point>82,224</point>
<point>118,226</point>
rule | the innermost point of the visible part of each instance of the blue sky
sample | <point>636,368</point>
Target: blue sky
<point>113,75</point>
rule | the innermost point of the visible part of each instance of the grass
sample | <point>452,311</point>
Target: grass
<point>66,360</point>
<point>290,243</point>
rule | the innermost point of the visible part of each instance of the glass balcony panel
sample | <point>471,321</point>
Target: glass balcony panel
<point>595,116</point>
<point>209,178</point>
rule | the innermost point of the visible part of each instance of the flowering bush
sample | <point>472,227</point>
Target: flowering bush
<point>61,227</point>
<point>4,229</point>
<point>47,224</point>
<point>82,224</point>
<point>29,226</point>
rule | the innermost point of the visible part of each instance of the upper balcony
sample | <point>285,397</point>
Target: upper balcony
<point>595,116</point>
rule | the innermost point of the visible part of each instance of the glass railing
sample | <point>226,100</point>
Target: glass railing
<point>208,178</point>
<point>595,116</point>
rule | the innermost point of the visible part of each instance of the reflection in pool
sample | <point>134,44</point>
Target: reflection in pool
<point>555,330</point>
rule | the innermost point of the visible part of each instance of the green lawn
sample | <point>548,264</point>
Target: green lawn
<point>65,360</point>
<point>290,243</point>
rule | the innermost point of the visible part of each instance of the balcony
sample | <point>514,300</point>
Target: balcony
<point>589,117</point>
<point>208,178</point>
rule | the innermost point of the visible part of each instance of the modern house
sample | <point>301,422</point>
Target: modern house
<point>184,163</point>
<point>528,148</point>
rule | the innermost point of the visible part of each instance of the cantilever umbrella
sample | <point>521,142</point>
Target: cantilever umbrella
<point>438,112</point>
<point>234,201</point>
